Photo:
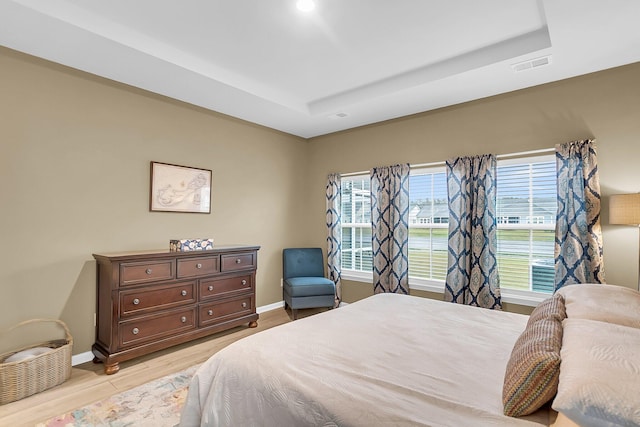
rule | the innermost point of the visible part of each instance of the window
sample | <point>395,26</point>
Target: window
<point>357,252</point>
<point>526,209</point>
<point>526,212</point>
<point>428,224</point>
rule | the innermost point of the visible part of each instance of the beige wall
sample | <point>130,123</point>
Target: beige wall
<point>604,105</point>
<point>75,174</point>
<point>76,152</point>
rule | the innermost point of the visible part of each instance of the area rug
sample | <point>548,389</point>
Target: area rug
<point>157,403</point>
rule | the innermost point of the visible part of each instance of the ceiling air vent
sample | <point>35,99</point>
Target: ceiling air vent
<point>532,63</point>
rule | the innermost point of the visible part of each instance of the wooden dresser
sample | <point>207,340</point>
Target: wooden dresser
<point>148,301</point>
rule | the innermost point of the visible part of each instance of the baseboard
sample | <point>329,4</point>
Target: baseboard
<point>78,359</point>
<point>270,307</point>
<point>85,357</point>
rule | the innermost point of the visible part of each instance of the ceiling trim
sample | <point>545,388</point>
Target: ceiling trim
<point>517,46</point>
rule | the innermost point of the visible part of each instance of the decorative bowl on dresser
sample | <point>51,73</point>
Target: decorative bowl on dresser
<point>151,300</point>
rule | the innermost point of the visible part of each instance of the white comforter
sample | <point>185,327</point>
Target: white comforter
<point>388,360</point>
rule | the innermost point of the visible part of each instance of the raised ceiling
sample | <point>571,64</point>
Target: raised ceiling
<point>345,64</point>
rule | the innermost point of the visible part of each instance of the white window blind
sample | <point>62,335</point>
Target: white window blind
<point>526,216</point>
<point>356,224</point>
<point>428,224</point>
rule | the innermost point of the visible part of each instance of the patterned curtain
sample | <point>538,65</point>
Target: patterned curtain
<point>472,272</point>
<point>334,233</point>
<point>390,228</point>
<point>578,246</point>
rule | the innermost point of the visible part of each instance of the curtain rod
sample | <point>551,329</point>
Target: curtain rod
<point>442,163</point>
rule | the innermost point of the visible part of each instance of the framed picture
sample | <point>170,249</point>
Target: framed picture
<point>179,189</point>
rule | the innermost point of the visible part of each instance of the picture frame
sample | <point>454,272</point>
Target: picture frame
<point>176,188</point>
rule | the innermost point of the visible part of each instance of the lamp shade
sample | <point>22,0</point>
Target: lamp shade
<point>624,209</point>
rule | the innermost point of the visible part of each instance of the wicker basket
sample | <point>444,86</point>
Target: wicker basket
<point>24,378</point>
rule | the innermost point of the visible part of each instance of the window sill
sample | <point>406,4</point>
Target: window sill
<point>512,296</point>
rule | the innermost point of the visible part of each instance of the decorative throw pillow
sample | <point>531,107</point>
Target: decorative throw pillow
<point>531,377</point>
<point>599,374</point>
<point>550,308</point>
<point>607,303</point>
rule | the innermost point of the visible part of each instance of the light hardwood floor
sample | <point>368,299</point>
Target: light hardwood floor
<point>89,384</point>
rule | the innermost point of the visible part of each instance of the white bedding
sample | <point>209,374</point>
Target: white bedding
<point>388,360</point>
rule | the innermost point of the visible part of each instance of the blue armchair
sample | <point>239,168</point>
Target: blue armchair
<point>304,284</point>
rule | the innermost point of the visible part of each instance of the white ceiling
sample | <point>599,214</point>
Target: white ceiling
<point>347,63</point>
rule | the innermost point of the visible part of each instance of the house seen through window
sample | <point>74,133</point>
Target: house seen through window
<point>526,212</point>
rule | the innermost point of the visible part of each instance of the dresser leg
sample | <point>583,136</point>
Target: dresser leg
<point>253,324</point>
<point>111,369</point>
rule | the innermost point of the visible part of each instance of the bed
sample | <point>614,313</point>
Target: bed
<point>400,360</point>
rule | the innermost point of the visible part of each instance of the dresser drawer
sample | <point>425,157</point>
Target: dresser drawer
<point>133,273</point>
<point>201,266</point>
<point>242,261</point>
<point>226,310</point>
<point>148,299</point>
<point>135,331</point>
<point>222,286</point>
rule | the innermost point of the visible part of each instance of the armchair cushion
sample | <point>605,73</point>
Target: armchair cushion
<point>302,262</point>
<point>309,286</point>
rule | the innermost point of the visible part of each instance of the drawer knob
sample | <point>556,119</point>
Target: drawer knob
<point>136,301</point>
<point>244,282</point>
<point>238,261</point>
<point>148,271</point>
<point>244,305</point>
<point>210,287</point>
<point>210,312</point>
<point>183,293</point>
<point>135,331</point>
<point>198,265</point>
<point>183,319</point>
